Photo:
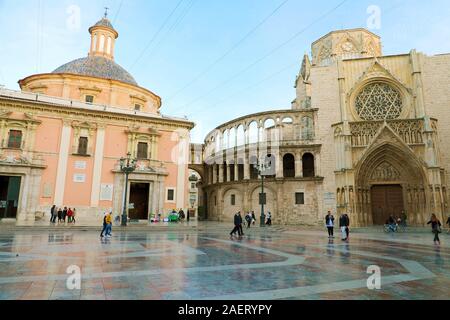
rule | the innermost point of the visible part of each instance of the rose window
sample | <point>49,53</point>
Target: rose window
<point>379,101</point>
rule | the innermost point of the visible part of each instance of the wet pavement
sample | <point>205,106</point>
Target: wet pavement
<point>269,264</point>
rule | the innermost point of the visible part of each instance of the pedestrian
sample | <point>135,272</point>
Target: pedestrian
<point>109,225</point>
<point>436,228</point>
<point>64,215</point>
<point>104,225</point>
<point>248,218</point>
<point>253,217</point>
<point>60,214</point>
<point>329,222</point>
<point>181,214</point>
<point>69,215</point>
<point>342,223</point>
<point>347,226</point>
<point>53,213</point>
<point>74,213</point>
<point>187,216</point>
<point>236,225</point>
<point>269,219</point>
<point>241,230</point>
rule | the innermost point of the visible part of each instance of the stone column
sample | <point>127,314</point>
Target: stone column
<point>236,171</point>
<point>221,173</point>
<point>246,168</point>
<point>279,166</point>
<point>229,172</point>
<point>298,165</point>
<point>215,177</point>
<point>98,162</point>
<point>62,163</point>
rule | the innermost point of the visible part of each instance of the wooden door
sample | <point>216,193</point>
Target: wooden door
<point>386,200</point>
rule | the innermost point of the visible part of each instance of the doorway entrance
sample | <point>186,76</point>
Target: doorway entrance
<point>9,196</point>
<point>139,197</point>
<point>386,200</point>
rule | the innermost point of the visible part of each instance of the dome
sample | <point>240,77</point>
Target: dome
<point>104,23</point>
<point>99,67</point>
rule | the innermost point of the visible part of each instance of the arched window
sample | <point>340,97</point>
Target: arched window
<point>102,43</point>
<point>94,43</point>
<point>289,166</point>
<point>253,132</point>
<point>379,101</point>
<point>308,165</point>
<point>240,136</point>
<point>108,47</point>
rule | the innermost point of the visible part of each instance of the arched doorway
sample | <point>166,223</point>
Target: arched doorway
<point>385,182</point>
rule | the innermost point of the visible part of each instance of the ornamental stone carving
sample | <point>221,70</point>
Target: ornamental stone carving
<point>385,172</point>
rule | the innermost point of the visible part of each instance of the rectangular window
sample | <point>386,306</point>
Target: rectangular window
<point>137,107</point>
<point>299,198</point>
<point>170,194</point>
<point>89,99</point>
<point>262,199</point>
<point>83,146</point>
<point>142,152</point>
<point>233,199</point>
<point>15,139</point>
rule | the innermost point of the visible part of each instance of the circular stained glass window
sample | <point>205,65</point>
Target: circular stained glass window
<point>379,101</point>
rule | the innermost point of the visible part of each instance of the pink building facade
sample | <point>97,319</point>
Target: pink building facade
<point>62,138</point>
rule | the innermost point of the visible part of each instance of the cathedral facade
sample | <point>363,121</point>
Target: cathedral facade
<point>365,136</point>
<point>63,135</point>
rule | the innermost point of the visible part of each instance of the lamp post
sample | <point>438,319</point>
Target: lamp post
<point>262,168</point>
<point>127,166</point>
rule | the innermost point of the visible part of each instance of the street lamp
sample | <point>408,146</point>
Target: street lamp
<point>262,168</point>
<point>127,166</point>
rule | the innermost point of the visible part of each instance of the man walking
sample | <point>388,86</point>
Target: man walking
<point>329,222</point>
<point>236,225</point>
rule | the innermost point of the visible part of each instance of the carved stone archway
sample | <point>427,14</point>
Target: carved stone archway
<point>391,163</point>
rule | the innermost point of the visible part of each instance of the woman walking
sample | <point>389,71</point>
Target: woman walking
<point>436,227</point>
<point>74,213</point>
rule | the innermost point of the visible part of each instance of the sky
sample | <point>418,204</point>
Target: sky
<point>209,60</point>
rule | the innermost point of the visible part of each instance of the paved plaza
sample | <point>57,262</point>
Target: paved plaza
<point>271,263</point>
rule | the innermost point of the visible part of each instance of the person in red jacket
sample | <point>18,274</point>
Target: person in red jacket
<point>69,215</point>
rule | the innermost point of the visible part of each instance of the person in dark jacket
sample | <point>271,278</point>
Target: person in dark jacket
<point>347,226</point>
<point>241,221</point>
<point>254,217</point>
<point>329,222</point>
<point>344,223</point>
<point>436,227</point>
<point>60,214</point>
<point>237,224</point>
<point>64,215</point>
<point>53,213</point>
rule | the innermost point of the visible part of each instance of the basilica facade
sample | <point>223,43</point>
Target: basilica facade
<point>365,136</point>
<point>63,135</point>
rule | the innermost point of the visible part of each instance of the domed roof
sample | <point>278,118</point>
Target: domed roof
<point>104,23</point>
<point>99,67</point>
